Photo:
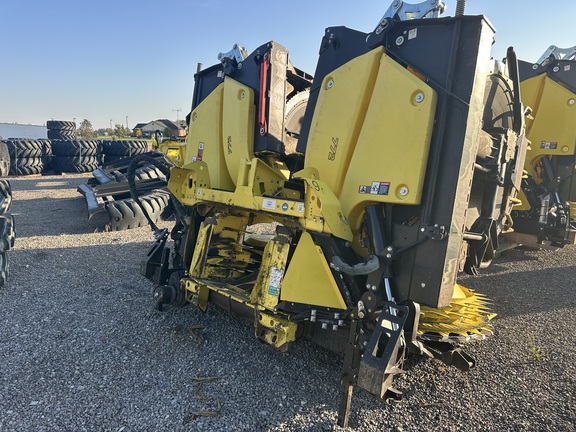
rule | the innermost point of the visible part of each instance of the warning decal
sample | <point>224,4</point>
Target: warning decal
<point>275,279</point>
<point>549,145</point>
<point>269,204</point>
<point>380,188</point>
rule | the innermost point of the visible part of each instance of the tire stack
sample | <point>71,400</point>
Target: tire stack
<point>61,130</point>
<point>7,235</point>
<point>26,156</point>
<point>75,156</point>
<point>4,159</point>
<point>115,150</point>
<point>46,153</point>
<point>126,214</point>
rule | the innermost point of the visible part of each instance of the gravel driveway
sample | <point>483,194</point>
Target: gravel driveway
<point>82,348</point>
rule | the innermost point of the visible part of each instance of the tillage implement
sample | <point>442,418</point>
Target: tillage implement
<point>341,208</point>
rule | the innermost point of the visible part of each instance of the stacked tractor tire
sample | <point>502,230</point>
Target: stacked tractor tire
<point>62,152</point>
<point>61,130</point>
<point>75,156</point>
<point>116,150</point>
<point>27,156</point>
<point>68,153</point>
<point>7,235</point>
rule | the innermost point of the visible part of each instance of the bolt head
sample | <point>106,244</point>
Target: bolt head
<point>403,191</point>
<point>535,66</point>
<point>330,83</point>
<point>571,102</point>
<point>556,69</point>
<point>400,40</point>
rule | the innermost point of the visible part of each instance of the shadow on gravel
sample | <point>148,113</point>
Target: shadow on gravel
<point>526,292</point>
<point>56,182</point>
<point>35,217</point>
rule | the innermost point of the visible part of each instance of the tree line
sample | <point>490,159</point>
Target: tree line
<point>86,130</point>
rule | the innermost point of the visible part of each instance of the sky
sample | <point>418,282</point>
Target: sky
<point>132,61</point>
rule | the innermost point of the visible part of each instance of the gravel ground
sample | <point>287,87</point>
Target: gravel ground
<point>81,347</point>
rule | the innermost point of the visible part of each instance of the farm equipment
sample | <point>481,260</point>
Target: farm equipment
<point>108,192</point>
<point>546,216</point>
<point>341,208</point>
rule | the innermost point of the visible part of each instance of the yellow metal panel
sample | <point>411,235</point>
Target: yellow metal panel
<point>237,125</point>
<point>205,139</point>
<point>322,211</point>
<point>268,285</point>
<point>338,116</point>
<point>186,181</point>
<point>523,205</point>
<point>389,163</point>
<point>196,293</point>
<point>309,279</point>
<point>553,130</point>
<point>275,331</point>
<point>201,249</point>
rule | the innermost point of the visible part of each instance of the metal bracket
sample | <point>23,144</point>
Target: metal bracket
<point>237,53</point>
<point>155,266</point>
<point>381,359</point>
<point>401,11</point>
<point>349,373</point>
<point>436,232</point>
<point>558,54</point>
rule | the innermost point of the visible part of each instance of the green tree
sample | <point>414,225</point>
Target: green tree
<point>85,129</point>
<point>167,132</point>
<point>119,131</point>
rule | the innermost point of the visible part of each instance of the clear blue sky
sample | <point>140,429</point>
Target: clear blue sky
<point>107,59</point>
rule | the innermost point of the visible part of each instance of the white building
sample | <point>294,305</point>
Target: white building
<point>15,130</point>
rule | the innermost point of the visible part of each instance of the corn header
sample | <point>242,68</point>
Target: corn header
<point>545,216</point>
<point>340,208</point>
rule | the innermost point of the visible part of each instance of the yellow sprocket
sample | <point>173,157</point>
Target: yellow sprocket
<point>467,318</point>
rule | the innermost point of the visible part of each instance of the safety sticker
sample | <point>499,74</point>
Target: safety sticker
<point>549,145</point>
<point>199,192</point>
<point>200,151</point>
<point>364,190</point>
<point>566,68</point>
<point>412,34</point>
<point>285,207</point>
<point>275,280</point>
<point>300,208</point>
<point>380,188</point>
<point>269,204</point>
